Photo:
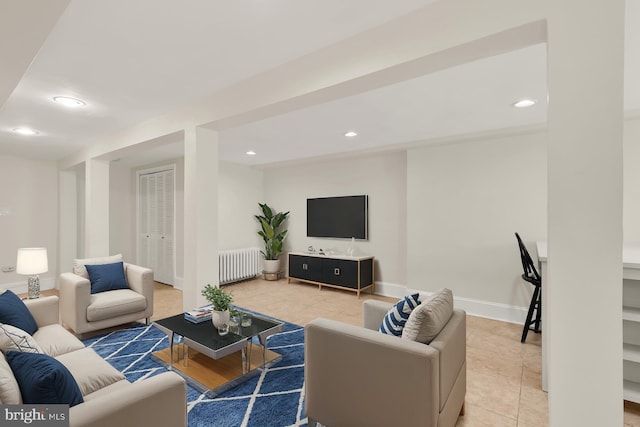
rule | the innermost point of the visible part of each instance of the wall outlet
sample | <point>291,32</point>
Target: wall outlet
<point>8,269</point>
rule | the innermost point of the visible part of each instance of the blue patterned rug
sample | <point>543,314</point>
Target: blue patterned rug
<point>275,398</point>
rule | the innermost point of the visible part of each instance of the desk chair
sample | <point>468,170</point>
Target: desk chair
<point>531,275</point>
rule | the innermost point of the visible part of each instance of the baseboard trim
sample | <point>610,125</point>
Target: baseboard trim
<point>480,308</point>
<point>21,287</point>
<point>492,310</point>
<point>393,290</point>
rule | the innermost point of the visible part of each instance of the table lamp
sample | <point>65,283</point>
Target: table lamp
<point>31,262</point>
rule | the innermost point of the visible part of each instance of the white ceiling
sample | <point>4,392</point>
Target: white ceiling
<point>133,61</point>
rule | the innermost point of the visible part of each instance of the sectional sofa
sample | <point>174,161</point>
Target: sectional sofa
<point>108,399</point>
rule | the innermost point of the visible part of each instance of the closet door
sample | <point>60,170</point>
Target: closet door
<point>156,224</point>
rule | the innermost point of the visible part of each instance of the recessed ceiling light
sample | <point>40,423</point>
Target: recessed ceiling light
<point>251,153</point>
<point>351,134</point>
<point>25,131</point>
<point>69,102</point>
<point>524,103</point>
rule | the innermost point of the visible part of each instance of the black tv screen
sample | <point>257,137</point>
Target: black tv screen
<point>339,217</point>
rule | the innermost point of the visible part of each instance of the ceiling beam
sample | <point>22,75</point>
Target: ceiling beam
<point>24,27</point>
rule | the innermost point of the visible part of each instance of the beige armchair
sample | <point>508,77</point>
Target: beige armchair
<point>360,377</point>
<point>82,311</point>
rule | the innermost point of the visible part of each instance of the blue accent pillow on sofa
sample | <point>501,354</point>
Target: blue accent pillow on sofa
<point>397,316</point>
<point>107,277</point>
<point>43,379</point>
<point>13,312</point>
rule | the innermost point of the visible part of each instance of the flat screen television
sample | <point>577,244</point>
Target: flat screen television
<point>338,217</point>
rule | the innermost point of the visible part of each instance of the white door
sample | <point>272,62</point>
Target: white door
<point>156,223</point>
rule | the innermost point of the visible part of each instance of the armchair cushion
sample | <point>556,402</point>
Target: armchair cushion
<point>14,312</point>
<point>43,380</point>
<point>426,321</point>
<point>107,277</point>
<point>79,264</point>
<point>12,338</point>
<point>108,305</point>
<point>397,316</point>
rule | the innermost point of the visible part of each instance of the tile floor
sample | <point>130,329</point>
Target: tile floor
<point>503,375</point>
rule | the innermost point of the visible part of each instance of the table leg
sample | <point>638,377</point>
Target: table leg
<point>171,351</point>
<point>244,360</point>
<point>263,343</point>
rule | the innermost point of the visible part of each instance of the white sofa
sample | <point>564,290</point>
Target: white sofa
<point>109,399</point>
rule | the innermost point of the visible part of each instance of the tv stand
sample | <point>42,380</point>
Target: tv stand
<point>350,273</point>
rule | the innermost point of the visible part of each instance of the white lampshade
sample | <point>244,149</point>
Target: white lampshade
<point>32,261</point>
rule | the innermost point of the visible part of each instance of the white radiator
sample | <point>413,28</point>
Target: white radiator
<point>239,264</point>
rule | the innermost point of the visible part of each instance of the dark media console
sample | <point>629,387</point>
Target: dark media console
<point>351,273</point>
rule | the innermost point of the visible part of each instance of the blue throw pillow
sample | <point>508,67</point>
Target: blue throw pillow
<point>107,277</point>
<point>43,380</point>
<point>397,316</point>
<point>13,312</point>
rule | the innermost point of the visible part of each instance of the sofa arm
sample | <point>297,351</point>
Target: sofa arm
<point>451,343</point>
<point>358,377</point>
<point>45,310</point>
<point>140,280</point>
<point>373,312</point>
<point>75,296</point>
<point>159,401</point>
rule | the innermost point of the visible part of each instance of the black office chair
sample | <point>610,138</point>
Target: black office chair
<point>531,275</point>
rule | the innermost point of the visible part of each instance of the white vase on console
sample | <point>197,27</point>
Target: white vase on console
<point>220,317</point>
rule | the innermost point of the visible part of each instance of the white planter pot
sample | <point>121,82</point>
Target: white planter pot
<point>270,266</point>
<point>220,317</point>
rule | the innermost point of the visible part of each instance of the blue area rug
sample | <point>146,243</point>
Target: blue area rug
<point>275,397</point>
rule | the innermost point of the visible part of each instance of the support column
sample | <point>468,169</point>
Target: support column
<point>584,283</point>
<point>96,235</point>
<point>68,220</point>
<point>200,214</point>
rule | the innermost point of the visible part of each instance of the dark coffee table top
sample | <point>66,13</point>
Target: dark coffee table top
<point>206,334</point>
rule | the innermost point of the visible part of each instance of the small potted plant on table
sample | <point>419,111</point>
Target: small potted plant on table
<point>221,302</point>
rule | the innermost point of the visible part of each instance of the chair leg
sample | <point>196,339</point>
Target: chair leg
<point>147,320</point>
<point>532,306</point>
<point>538,312</point>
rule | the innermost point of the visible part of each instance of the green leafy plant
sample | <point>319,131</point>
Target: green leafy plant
<point>271,234</point>
<point>220,299</point>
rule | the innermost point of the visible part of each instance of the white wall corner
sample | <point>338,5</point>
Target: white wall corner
<point>177,282</point>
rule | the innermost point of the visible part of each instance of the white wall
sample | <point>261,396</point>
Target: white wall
<point>381,176</point>
<point>631,201</point>
<point>29,215</point>
<point>122,212</point>
<point>465,201</point>
<point>240,189</point>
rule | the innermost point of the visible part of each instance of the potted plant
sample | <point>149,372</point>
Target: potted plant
<point>273,237</point>
<point>221,302</point>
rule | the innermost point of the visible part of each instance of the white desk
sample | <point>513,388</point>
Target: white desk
<point>630,316</point>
